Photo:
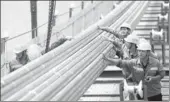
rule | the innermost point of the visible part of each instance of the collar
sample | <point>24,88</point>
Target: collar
<point>151,61</point>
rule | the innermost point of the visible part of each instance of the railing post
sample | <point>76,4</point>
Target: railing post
<point>70,15</point>
<point>71,10</point>
<point>83,22</point>
<point>51,7</point>
<point>4,38</point>
<point>82,4</point>
<point>93,13</point>
<point>33,5</point>
<point>163,49</point>
<point>55,17</point>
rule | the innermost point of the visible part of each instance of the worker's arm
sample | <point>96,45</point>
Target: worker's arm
<point>116,42</point>
<point>110,30</point>
<point>111,60</point>
<point>160,72</point>
<point>154,55</point>
<point>159,75</point>
<point>121,63</point>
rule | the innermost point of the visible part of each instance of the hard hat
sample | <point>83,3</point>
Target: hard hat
<point>132,39</point>
<point>5,35</point>
<point>19,48</point>
<point>34,51</point>
<point>144,46</point>
<point>126,25</point>
<point>142,40</point>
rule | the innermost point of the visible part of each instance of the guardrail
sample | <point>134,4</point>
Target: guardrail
<point>73,63</point>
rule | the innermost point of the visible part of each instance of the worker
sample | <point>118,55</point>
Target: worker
<point>125,30</point>
<point>145,68</point>
<point>20,59</point>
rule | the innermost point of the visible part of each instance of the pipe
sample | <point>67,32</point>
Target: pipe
<point>69,74</point>
<point>57,60</point>
<point>87,83</point>
<point>62,95</point>
<point>44,77</point>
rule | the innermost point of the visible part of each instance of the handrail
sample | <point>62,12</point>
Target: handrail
<point>18,35</point>
<point>41,39</point>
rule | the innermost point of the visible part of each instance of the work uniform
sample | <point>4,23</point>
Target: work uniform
<point>124,53</point>
<point>127,54</point>
<point>16,64</point>
<point>140,72</point>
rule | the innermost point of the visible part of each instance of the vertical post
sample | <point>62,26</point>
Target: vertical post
<point>50,19</point>
<point>168,33</point>
<point>121,85</point>
<point>70,15</point>
<point>54,18</point>
<point>33,5</point>
<point>163,49</point>
<point>4,38</point>
<point>70,12</point>
<point>82,4</point>
<point>93,14</point>
<point>151,41</point>
<point>145,92</point>
<point>92,1</point>
<point>159,24</point>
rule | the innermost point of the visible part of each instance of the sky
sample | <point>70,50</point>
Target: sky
<point>16,19</point>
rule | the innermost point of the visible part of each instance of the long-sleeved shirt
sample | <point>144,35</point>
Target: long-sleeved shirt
<point>154,68</point>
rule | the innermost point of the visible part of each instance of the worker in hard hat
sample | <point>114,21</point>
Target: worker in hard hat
<point>125,30</point>
<point>21,58</point>
<point>145,68</point>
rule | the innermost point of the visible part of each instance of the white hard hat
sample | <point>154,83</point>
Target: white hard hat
<point>144,46</point>
<point>5,35</point>
<point>19,48</point>
<point>126,25</point>
<point>132,39</point>
<point>143,40</point>
<point>34,51</point>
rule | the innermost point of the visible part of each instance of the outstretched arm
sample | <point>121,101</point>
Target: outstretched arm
<point>110,30</point>
<point>111,60</point>
<point>155,55</point>
<point>116,42</point>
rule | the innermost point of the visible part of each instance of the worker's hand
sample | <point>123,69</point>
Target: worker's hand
<point>98,27</point>
<point>104,56</point>
<point>148,79</point>
<point>101,28</point>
